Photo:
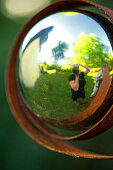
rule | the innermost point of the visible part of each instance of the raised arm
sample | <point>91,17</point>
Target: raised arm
<point>86,67</point>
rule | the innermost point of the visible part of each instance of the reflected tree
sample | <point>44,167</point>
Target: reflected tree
<point>59,50</point>
<point>88,49</point>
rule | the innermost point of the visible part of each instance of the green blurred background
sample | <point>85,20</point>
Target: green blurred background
<point>17,150</point>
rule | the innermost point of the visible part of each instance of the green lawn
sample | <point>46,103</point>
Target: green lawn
<point>51,96</point>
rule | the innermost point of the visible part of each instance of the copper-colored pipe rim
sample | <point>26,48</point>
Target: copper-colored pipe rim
<point>81,120</point>
<point>18,108</point>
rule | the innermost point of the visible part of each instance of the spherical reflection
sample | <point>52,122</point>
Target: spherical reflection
<point>61,62</point>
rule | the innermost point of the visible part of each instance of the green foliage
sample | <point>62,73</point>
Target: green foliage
<point>52,66</point>
<point>110,62</point>
<point>58,51</point>
<point>51,96</point>
<point>42,68</point>
<point>90,51</point>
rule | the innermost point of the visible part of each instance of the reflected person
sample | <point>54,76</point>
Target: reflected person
<point>77,81</point>
<point>98,80</point>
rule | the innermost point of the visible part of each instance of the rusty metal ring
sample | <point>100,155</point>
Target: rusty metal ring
<point>36,127</point>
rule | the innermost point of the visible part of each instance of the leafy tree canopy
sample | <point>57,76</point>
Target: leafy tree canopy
<point>90,51</point>
<point>59,50</point>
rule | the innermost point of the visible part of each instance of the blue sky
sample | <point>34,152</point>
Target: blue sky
<point>76,24</point>
<point>67,27</point>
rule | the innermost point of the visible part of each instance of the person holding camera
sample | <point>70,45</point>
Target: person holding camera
<point>77,81</point>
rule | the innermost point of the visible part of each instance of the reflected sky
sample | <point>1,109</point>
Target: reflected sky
<point>67,27</point>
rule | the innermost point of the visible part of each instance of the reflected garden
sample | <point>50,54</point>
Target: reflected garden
<point>49,52</point>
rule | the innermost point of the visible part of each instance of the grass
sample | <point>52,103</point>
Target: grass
<point>51,96</point>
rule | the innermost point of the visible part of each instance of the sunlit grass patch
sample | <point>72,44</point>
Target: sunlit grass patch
<point>65,67</point>
<point>51,71</point>
<point>51,96</point>
<point>94,72</point>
